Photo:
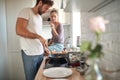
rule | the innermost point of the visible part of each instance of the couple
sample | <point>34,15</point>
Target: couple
<point>33,45</point>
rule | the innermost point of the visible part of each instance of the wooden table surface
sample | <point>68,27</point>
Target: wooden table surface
<point>39,76</point>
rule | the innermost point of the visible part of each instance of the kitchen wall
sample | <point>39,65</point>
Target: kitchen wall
<point>3,43</point>
<point>110,39</point>
<point>15,66</point>
<point>47,31</point>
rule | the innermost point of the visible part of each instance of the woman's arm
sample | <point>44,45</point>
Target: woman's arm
<point>53,29</point>
<point>50,42</point>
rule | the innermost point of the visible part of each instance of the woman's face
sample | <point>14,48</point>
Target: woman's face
<point>53,16</point>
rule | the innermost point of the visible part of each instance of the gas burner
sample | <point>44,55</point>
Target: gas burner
<point>56,62</point>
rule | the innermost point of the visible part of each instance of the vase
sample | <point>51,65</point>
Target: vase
<point>93,72</point>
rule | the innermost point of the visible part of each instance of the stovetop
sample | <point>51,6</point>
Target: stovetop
<point>70,60</point>
<point>53,62</point>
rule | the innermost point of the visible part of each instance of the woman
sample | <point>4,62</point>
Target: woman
<point>56,43</point>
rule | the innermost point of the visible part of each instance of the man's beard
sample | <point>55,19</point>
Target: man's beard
<point>39,11</point>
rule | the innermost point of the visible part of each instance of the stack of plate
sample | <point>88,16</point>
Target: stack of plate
<point>57,72</point>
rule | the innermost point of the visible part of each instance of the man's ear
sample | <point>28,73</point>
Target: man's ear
<point>40,3</point>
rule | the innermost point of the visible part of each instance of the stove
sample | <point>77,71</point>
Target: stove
<point>71,59</point>
<point>56,62</point>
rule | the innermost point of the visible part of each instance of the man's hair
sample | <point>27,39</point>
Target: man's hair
<point>49,2</point>
<point>53,10</point>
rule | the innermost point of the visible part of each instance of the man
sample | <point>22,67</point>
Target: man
<point>28,27</point>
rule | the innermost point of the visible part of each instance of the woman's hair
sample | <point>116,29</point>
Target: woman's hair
<point>49,2</point>
<point>53,10</point>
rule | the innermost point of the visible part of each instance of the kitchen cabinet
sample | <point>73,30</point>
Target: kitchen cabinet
<point>64,17</point>
<point>86,5</point>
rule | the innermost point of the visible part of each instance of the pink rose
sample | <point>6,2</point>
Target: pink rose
<point>97,24</point>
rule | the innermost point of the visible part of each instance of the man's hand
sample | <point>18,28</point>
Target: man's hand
<point>45,46</point>
<point>42,40</point>
<point>46,50</point>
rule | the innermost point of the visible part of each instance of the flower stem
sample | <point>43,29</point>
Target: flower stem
<point>97,37</point>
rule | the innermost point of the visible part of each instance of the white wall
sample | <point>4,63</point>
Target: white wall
<point>76,27</point>
<point>110,39</point>
<point>3,43</point>
<point>13,7</point>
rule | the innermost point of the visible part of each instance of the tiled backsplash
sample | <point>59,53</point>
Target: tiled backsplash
<point>110,39</point>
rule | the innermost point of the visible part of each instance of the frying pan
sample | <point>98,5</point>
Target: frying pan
<point>58,55</point>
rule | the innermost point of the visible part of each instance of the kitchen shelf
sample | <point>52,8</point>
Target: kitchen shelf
<point>46,23</point>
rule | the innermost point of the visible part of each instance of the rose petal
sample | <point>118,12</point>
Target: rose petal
<point>97,24</point>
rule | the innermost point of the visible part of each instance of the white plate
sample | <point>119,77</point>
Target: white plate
<point>57,72</point>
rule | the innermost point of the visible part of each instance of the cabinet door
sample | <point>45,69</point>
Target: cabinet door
<point>13,7</point>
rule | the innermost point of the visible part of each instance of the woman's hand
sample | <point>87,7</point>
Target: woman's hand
<point>52,25</point>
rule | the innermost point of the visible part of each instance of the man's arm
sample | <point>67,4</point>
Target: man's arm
<point>21,30</point>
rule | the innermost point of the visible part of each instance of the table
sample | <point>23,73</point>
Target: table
<point>39,76</point>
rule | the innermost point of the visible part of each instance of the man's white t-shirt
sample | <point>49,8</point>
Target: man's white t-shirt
<point>31,46</point>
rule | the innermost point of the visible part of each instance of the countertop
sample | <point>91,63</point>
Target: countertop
<point>39,76</point>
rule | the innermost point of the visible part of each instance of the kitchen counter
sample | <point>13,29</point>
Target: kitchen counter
<point>39,76</point>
